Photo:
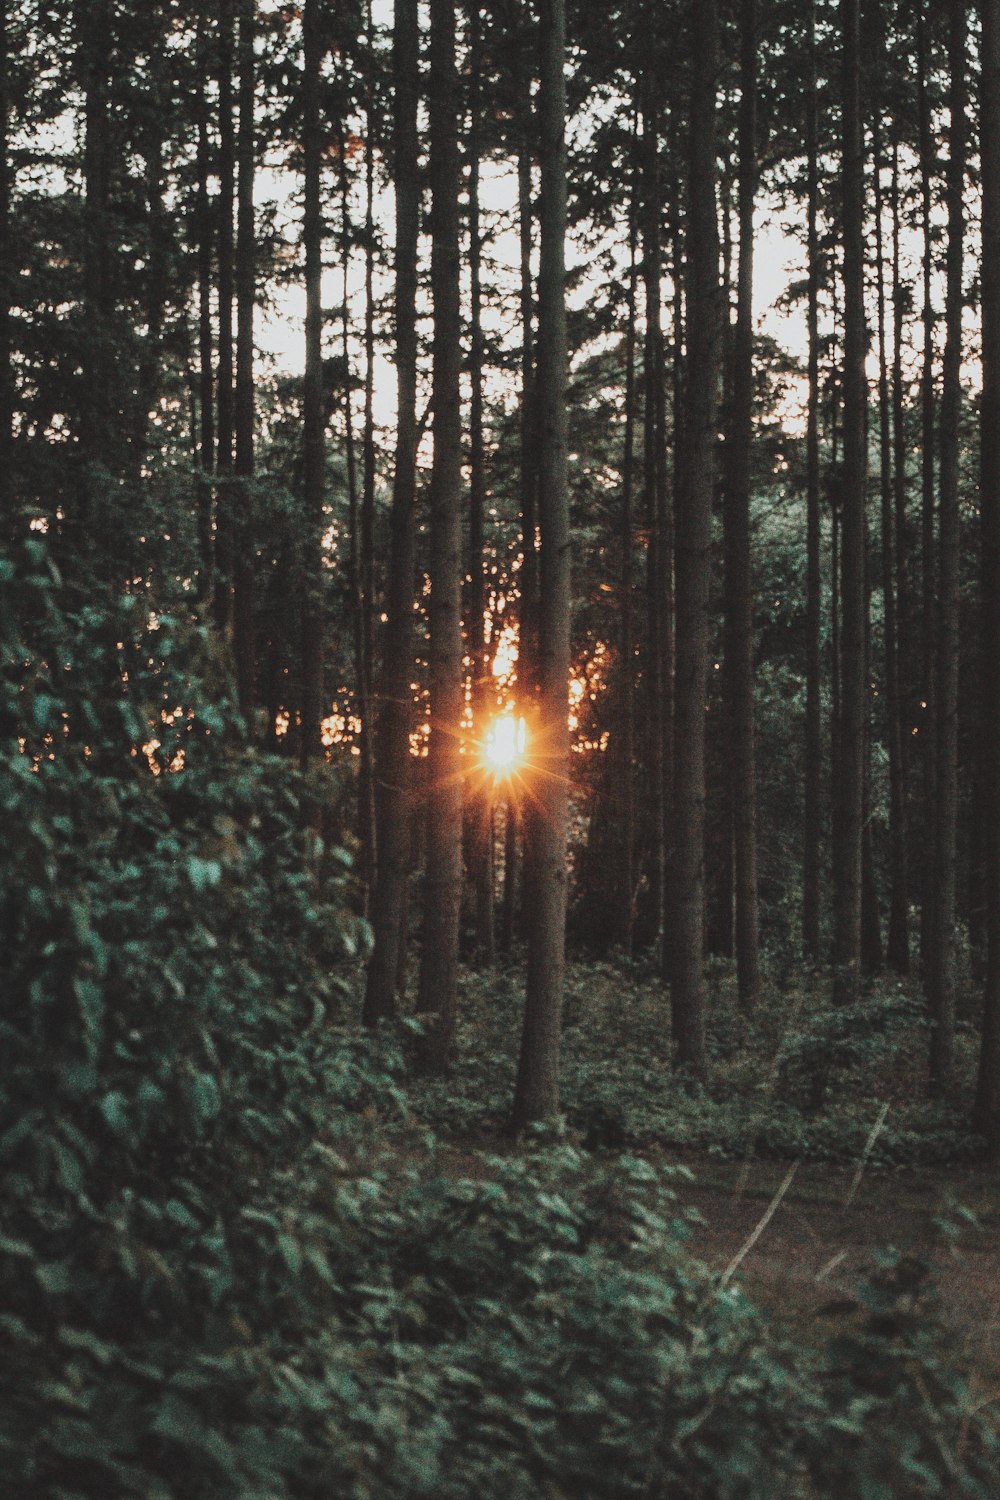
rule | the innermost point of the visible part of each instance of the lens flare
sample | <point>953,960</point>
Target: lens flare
<point>504,747</point>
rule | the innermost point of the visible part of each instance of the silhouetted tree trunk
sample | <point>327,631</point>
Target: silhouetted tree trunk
<point>898,946</point>
<point>623,741</point>
<point>693,564</point>
<point>925,727</point>
<point>6,292</point>
<point>206,374</point>
<point>245,644</point>
<point>986,1113</point>
<point>443,885</point>
<point>313,415</point>
<point>394,800</point>
<point>95,436</point>
<point>850,764</point>
<point>736,524</point>
<point>367,857</point>
<point>813,816</point>
<point>225,541</point>
<point>537,1091</point>
<point>480,786</point>
<point>941,965</point>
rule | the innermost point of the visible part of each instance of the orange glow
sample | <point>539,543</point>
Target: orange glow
<point>505,744</point>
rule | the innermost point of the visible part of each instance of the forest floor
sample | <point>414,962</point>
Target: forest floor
<point>822,1239</point>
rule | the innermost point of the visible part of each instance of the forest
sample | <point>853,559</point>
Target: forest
<point>500,772</point>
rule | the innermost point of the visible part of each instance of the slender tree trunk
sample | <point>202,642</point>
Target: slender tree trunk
<point>206,375</point>
<point>897,946</point>
<point>225,540</point>
<point>95,437</point>
<point>7,491</point>
<point>394,800</point>
<point>693,527</point>
<point>537,1091</point>
<point>480,785</point>
<point>941,968</point>
<point>927,501</point>
<point>443,886</point>
<point>898,951</point>
<point>813,818</point>
<point>738,574</point>
<point>654,488</point>
<point>850,768</point>
<point>624,741</point>
<point>986,1113</point>
<point>246,294</point>
<point>366,769</point>
<point>313,416</point>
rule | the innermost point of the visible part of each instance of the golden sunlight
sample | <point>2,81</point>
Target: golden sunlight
<point>505,744</point>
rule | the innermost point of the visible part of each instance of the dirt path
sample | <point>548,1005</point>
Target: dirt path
<point>816,1248</point>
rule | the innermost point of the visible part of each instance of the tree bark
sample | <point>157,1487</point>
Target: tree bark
<point>245,642</point>
<point>941,965</point>
<point>850,765</point>
<point>394,801</point>
<point>925,727</point>
<point>813,812</point>
<point>206,374</point>
<point>986,1112</point>
<point>693,564</point>
<point>225,544</point>
<point>537,1090</point>
<point>313,416</point>
<point>738,566</point>
<point>443,884</point>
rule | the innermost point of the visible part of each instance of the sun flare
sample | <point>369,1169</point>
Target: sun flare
<point>505,744</point>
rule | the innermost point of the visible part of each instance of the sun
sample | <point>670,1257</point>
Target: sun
<point>505,744</point>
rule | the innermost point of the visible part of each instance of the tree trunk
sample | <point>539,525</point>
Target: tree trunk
<point>367,856</point>
<point>313,416</point>
<point>443,885</point>
<point>813,813</point>
<point>394,801</point>
<point>225,542</point>
<point>206,375</point>
<point>245,642</point>
<point>6,294</point>
<point>693,562</point>
<point>850,767</point>
<point>738,575</point>
<point>986,1113</point>
<point>898,948</point>
<point>941,966</point>
<point>480,784</point>
<point>537,1091</point>
<point>623,742</point>
<point>926,735</point>
<point>95,436</point>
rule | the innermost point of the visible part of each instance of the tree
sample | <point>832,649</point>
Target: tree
<point>736,520</point>
<point>443,880</point>
<point>537,1092</point>
<point>693,558</point>
<point>850,759</point>
<point>313,416</point>
<point>394,776</point>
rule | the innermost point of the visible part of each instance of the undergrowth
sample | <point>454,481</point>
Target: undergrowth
<point>802,1079</point>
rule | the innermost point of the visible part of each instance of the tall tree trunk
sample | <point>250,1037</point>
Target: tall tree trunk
<point>654,478</point>
<point>6,292</point>
<point>537,1090</point>
<point>693,528</point>
<point>225,541</point>
<point>366,770</point>
<point>95,437</point>
<point>850,767</point>
<point>898,950</point>
<point>206,374</point>
<point>443,885</point>
<point>925,727</point>
<point>623,743</point>
<point>313,415</point>
<point>813,813</point>
<point>986,1113</point>
<point>736,520</point>
<point>394,801</point>
<point>480,785</point>
<point>941,968</point>
<point>245,642</point>
<point>897,946</point>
